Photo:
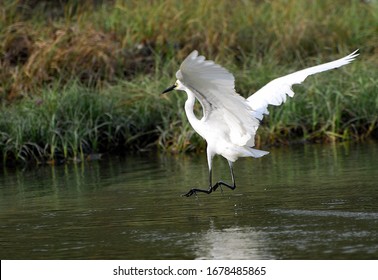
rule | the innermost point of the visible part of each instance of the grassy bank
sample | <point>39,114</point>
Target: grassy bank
<point>81,79</point>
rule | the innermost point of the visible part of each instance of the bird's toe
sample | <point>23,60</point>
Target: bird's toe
<point>189,193</point>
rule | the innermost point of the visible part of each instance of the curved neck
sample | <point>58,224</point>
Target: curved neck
<point>189,109</point>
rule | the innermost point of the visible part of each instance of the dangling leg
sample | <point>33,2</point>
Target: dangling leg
<point>232,175</point>
<point>218,184</point>
<point>210,156</point>
<point>221,183</point>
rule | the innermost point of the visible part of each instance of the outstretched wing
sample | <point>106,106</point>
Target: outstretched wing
<point>214,87</point>
<point>274,93</point>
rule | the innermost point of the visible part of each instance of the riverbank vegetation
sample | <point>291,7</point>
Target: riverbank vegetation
<point>79,78</point>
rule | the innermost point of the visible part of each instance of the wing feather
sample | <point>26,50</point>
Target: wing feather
<point>214,87</point>
<point>274,93</point>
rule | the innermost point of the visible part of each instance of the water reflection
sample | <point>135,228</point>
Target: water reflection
<point>231,243</point>
<point>306,202</point>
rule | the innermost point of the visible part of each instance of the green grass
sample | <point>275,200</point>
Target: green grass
<point>83,77</point>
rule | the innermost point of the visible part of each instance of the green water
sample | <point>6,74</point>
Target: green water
<point>304,202</point>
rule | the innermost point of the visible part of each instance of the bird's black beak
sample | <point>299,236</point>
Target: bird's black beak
<point>169,89</point>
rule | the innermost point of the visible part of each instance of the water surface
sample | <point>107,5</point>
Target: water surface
<point>303,202</point>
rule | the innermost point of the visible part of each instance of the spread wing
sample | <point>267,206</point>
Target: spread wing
<point>274,93</point>
<point>214,88</point>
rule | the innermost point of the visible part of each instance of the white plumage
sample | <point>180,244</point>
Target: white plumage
<point>229,121</point>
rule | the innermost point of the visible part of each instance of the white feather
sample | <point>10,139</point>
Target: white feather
<point>274,93</point>
<point>214,87</point>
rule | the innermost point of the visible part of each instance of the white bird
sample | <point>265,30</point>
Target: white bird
<point>229,122</point>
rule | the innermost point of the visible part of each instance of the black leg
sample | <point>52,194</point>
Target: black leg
<point>221,183</point>
<point>209,191</point>
<point>216,185</point>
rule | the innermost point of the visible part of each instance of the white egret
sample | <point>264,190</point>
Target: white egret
<point>229,122</point>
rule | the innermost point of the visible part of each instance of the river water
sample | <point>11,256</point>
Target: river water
<point>300,202</point>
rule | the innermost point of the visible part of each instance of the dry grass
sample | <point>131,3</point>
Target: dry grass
<point>98,42</point>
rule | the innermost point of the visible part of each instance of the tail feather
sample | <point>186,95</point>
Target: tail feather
<point>257,153</point>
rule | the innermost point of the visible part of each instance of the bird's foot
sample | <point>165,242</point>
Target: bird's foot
<point>210,190</point>
<point>190,193</point>
<point>194,191</point>
<point>221,183</point>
